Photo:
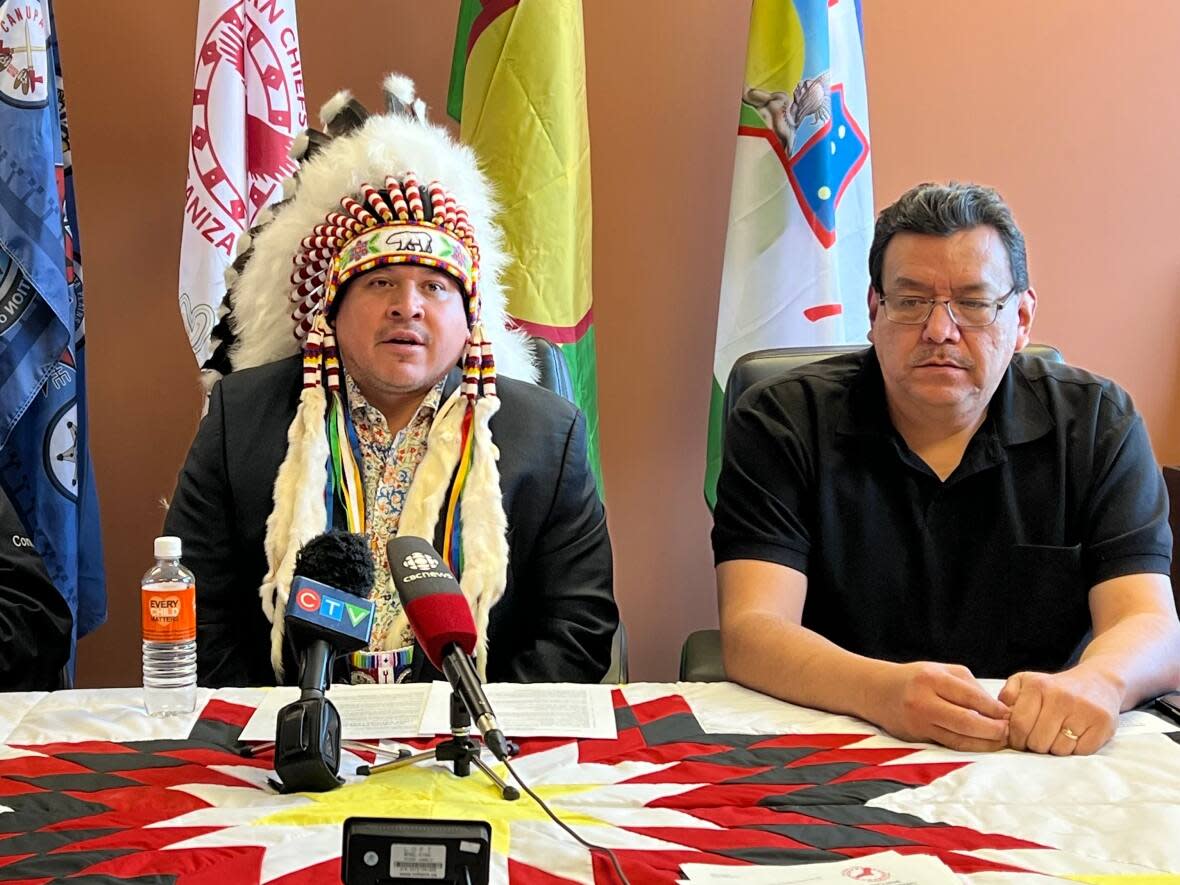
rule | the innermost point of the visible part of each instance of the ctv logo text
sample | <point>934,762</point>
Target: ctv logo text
<point>311,601</point>
<point>353,615</point>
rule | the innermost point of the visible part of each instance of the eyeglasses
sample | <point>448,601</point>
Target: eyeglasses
<point>910,310</point>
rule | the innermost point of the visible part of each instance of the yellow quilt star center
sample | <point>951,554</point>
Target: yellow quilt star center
<point>431,791</point>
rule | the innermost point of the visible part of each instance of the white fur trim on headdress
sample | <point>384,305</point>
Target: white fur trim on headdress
<point>484,528</point>
<point>209,377</point>
<point>299,146</point>
<point>297,516</point>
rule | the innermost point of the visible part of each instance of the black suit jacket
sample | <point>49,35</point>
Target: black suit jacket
<point>36,625</point>
<point>557,617</point>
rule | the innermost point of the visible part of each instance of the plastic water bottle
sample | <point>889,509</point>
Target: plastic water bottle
<point>169,595</point>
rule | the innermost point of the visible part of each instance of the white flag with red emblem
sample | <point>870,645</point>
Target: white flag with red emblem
<point>247,108</point>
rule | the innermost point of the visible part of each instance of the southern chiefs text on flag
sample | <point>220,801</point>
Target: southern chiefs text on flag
<point>247,107</point>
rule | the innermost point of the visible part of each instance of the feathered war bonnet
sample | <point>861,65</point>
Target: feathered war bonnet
<point>373,191</point>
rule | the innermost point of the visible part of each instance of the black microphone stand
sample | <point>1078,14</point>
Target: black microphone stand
<point>459,749</point>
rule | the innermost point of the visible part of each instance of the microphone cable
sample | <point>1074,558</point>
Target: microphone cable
<point>590,846</point>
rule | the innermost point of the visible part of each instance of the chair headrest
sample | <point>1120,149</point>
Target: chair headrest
<point>553,371</point>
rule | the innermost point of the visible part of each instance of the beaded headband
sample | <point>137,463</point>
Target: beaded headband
<point>390,226</point>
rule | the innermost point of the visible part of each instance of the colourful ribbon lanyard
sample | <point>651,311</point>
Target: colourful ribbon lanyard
<point>344,474</point>
<point>345,480</point>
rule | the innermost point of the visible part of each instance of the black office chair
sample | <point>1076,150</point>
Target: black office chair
<point>554,374</point>
<point>700,656</point>
<point>1172,480</point>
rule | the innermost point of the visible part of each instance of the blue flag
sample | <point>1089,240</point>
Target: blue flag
<point>44,459</point>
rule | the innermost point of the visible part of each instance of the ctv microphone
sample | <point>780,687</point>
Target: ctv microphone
<point>328,613</point>
<point>441,620</point>
<point>328,606</point>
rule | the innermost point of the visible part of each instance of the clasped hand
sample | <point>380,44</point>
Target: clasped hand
<point>1068,713</point>
<point>1064,713</point>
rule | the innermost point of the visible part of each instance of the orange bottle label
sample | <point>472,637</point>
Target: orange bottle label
<point>169,612</point>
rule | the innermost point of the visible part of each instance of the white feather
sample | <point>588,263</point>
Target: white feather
<point>299,145</point>
<point>334,106</point>
<point>400,87</point>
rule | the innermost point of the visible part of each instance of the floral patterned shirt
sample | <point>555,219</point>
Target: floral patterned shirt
<point>389,461</point>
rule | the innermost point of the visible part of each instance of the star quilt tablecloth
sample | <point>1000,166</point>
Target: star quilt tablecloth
<point>93,790</point>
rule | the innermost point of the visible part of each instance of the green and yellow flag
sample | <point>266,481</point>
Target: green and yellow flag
<point>518,90</point>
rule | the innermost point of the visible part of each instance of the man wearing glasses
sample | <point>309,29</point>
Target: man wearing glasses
<point>894,524</point>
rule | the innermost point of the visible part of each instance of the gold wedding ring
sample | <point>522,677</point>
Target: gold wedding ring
<point>1069,733</point>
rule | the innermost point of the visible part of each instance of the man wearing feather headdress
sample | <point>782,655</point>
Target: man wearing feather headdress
<point>360,392</point>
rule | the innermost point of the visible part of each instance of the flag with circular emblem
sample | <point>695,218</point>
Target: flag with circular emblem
<point>518,89</point>
<point>247,109</point>
<point>801,208</point>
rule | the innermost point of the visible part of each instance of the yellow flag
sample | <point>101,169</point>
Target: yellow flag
<point>518,88</point>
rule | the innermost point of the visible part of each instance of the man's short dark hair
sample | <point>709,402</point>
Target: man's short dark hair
<point>944,209</point>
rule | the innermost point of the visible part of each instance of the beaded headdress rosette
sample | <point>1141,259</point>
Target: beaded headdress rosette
<point>372,192</point>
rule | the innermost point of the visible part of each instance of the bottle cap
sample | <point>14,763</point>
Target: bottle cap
<point>168,547</point>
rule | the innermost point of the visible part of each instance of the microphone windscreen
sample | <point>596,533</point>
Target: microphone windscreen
<point>338,559</point>
<point>431,598</point>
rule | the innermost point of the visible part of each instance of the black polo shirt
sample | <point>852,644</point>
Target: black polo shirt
<point>1057,491</point>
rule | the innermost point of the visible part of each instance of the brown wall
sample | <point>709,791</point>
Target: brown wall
<point>1066,107</point>
<point>1071,109</point>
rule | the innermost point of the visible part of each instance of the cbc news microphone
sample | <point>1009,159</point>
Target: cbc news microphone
<point>441,620</point>
<point>328,613</point>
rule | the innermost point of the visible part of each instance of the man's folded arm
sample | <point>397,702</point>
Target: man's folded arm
<point>762,542</point>
<point>1136,640</point>
<point>1134,655</point>
<point>766,648</point>
<point>1135,650</point>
